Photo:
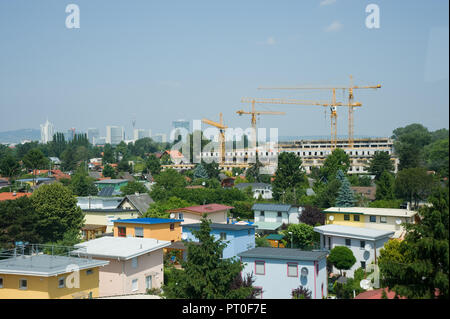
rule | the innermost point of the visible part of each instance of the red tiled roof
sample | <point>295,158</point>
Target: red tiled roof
<point>8,195</point>
<point>376,294</point>
<point>202,209</point>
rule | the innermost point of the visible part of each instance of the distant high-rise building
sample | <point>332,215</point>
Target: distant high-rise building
<point>47,131</point>
<point>100,141</point>
<point>160,138</point>
<point>140,133</point>
<point>114,134</point>
<point>178,128</point>
<point>93,134</point>
<point>69,135</point>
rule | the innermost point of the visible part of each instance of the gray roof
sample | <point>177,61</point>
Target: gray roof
<point>106,192</point>
<point>354,232</point>
<point>111,181</point>
<point>221,226</point>
<point>45,265</point>
<point>272,207</point>
<point>119,247</point>
<point>141,201</point>
<point>108,210</point>
<point>283,253</point>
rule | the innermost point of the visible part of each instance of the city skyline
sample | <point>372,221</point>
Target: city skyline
<point>156,62</point>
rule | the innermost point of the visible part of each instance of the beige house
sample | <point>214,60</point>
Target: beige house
<point>217,213</point>
<point>390,219</point>
<point>135,264</point>
<point>106,217</point>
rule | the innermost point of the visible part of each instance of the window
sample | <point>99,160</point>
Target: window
<point>23,284</point>
<point>122,231</point>
<point>260,267</point>
<point>89,271</point>
<point>292,269</point>
<point>139,232</point>
<point>223,236</point>
<point>383,219</point>
<point>134,262</point>
<point>362,244</point>
<point>1,282</point>
<point>148,282</point>
<point>172,226</point>
<point>279,214</point>
<point>317,268</point>
<point>180,215</point>
<point>134,285</point>
<point>346,217</point>
<point>373,219</point>
<point>348,242</point>
<point>261,213</point>
<point>363,264</point>
<point>61,283</point>
<point>356,218</point>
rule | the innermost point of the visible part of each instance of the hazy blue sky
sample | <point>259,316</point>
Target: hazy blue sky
<point>165,60</point>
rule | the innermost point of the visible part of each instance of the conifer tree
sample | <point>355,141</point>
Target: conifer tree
<point>346,197</point>
<point>200,172</point>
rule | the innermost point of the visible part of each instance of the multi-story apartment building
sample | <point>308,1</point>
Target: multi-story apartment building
<point>114,134</point>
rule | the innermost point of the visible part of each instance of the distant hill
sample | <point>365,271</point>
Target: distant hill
<point>18,136</point>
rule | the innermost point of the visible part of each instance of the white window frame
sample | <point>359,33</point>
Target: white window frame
<point>383,219</point>
<point>133,283</point>
<point>147,286</point>
<point>134,262</point>
<point>288,269</point>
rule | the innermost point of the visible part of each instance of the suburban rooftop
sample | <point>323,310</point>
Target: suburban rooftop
<point>283,253</point>
<point>358,232</point>
<point>393,212</point>
<point>272,207</point>
<point>203,209</point>
<point>148,220</point>
<point>222,226</point>
<point>120,247</point>
<point>46,265</point>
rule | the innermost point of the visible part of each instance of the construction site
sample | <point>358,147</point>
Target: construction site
<point>312,152</point>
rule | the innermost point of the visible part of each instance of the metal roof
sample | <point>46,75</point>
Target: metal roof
<point>111,181</point>
<point>354,232</point>
<point>148,220</point>
<point>106,192</point>
<point>253,185</point>
<point>271,207</point>
<point>275,236</point>
<point>120,247</point>
<point>46,265</point>
<point>392,212</point>
<point>283,253</point>
<point>222,226</point>
<point>267,225</point>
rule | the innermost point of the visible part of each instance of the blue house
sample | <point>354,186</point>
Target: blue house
<point>239,238</point>
<point>278,271</point>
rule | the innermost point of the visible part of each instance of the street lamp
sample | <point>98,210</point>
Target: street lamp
<point>290,233</point>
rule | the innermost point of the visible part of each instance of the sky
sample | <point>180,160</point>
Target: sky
<point>159,61</point>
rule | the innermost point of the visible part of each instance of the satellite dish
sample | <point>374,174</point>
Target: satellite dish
<point>331,218</point>
<point>184,236</point>
<point>172,215</point>
<point>367,247</point>
<point>304,272</point>
<point>365,284</point>
<point>398,221</point>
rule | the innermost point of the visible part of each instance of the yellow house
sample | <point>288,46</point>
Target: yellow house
<point>376,218</point>
<point>43,276</point>
<point>106,217</point>
<point>157,228</point>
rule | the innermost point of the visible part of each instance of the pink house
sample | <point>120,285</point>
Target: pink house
<point>217,213</point>
<point>135,264</point>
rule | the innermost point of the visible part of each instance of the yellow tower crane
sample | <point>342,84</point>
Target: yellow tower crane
<point>350,104</point>
<point>332,106</point>
<point>254,113</point>
<point>221,128</point>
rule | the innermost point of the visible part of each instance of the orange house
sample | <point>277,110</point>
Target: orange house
<point>157,228</point>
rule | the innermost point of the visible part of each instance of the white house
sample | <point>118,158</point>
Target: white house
<point>365,243</point>
<point>270,217</point>
<point>259,189</point>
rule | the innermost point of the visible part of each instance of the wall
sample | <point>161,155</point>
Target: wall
<point>192,218</point>
<point>156,231</point>
<point>47,287</point>
<point>339,220</point>
<point>277,284</point>
<point>116,278</point>
<point>271,217</point>
<point>102,218</point>
<point>365,221</point>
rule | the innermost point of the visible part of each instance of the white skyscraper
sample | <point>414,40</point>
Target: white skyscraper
<point>93,134</point>
<point>115,134</point>
<point>140,133</point>
<point>47,131</point>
